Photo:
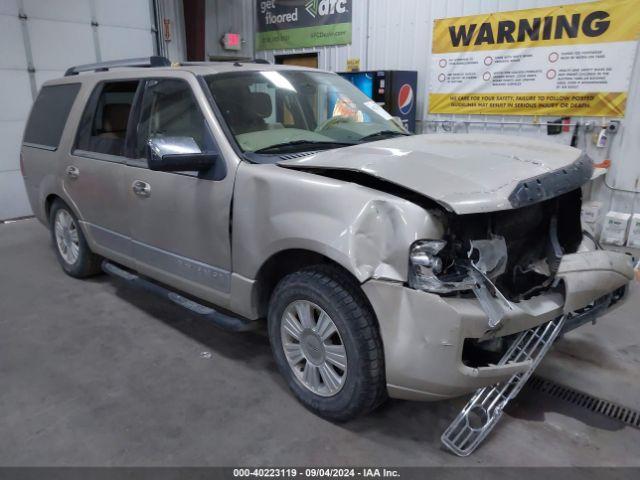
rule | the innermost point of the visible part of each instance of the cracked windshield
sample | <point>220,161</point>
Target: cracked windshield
<point>276,112</point>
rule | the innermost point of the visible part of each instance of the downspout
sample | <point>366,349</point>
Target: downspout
<point>155,11</point>
<point>366,43</point>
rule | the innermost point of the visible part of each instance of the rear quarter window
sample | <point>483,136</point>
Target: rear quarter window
<point>49,115</point>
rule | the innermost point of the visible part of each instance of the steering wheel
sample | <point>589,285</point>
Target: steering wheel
<point>329,122</point>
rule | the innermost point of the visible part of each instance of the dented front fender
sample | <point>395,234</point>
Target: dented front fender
<point>366,231</point>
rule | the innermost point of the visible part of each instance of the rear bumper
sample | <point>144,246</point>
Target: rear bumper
<point>423,333</point>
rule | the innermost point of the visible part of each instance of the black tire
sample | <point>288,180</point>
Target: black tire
<point>87,263</point>
<point>342,299</point>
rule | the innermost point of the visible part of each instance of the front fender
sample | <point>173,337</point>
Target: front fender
<point>366,231</point>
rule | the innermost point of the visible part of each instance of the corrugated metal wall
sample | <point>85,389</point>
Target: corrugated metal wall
<point>228,16</point>
<point>176,47</point>
<point>222,16</point>
<point>396,34</point>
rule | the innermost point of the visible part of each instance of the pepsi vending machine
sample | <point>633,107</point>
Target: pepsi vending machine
<point>393,90</point>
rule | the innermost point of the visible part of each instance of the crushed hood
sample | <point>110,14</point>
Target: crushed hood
<point>464,173</point>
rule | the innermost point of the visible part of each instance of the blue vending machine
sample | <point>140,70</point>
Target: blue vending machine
<point>393,90</point>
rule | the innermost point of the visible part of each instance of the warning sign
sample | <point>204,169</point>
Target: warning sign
<point>569,60</point>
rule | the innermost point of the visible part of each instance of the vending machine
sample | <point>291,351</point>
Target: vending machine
<point>393,90</point>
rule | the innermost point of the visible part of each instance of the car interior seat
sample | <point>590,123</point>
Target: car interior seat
<point>114,120</point>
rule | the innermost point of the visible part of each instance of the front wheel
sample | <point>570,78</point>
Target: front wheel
<point>326,343</point>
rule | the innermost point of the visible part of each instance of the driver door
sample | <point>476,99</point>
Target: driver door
<point>179,221</point>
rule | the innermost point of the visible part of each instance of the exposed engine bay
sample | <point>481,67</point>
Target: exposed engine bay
<point>500,257</point>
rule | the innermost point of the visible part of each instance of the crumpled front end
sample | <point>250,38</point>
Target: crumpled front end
<point>500,258</point>
<point>488,278</point>
<point>439,347</point>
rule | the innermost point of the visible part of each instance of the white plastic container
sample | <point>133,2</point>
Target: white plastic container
<point>591,212</point>
<point>614,230</point>
<point>634,232</point>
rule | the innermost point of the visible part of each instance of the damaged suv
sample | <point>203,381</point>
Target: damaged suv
<point>386,264</point>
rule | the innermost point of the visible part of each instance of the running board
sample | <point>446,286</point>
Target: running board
<point>222,320</point>
<point>478,418</point>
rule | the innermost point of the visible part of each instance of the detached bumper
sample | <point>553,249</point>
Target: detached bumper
<point>423,333</point>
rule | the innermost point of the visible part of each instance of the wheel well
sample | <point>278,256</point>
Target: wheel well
<point>48,202</point>
<point>282,264</point>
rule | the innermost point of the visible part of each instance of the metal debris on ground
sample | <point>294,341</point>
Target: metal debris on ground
<point>206,355</point>
<point>481,414</point>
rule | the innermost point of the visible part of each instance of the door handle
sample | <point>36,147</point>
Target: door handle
<point>140,188</point>
<point>72,172</point>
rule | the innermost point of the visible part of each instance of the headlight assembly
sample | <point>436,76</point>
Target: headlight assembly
<point>426,261</point>
<point>436,269</point>
<point>424,253</point>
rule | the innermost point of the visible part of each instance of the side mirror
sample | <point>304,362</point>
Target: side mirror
<point>178,154</point>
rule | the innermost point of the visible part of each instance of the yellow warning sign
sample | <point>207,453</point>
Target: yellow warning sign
<point>570,60</point>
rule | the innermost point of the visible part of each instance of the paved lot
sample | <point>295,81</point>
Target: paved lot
<point>94,373</point>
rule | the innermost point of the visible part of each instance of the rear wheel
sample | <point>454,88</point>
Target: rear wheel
<point>71,248</point>
<point>326,343</point>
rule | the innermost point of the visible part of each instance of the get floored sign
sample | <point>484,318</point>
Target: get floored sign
<point>569,60</point>
<point>286,24</point>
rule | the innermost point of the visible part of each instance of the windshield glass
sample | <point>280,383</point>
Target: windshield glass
<point>282,111</point>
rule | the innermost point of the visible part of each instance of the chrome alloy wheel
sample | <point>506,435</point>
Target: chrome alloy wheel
<point>67,239</point>
<point>313,347</point>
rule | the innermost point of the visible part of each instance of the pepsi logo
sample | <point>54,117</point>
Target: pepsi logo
<point>405,99</point>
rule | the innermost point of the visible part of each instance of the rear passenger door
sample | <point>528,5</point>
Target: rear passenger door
<point>94,175</point>
<point>43,142</point>
<point>179,221</point>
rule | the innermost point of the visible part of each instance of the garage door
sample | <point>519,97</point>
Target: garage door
<point>39,40</point>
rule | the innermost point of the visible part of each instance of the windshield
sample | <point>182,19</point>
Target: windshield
<point>282,111</point>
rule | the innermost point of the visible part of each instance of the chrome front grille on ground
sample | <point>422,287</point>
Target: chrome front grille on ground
<point>485,408</point>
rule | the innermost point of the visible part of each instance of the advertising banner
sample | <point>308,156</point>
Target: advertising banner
<point>284,24</point>
<point>573,60</point>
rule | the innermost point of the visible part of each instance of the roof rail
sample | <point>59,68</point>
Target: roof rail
<point>154,61</point>
<point>229,60</point>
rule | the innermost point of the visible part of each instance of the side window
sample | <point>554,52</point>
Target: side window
<point>169,110</point>
<point>49,115</point>
<point>103,127</point>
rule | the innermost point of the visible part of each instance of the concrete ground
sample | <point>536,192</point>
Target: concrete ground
<point>94,373</point>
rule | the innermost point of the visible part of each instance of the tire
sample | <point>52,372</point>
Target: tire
<point>327,290</point>
<point>72,251</point>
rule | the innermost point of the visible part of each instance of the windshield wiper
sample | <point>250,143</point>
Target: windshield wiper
<point>314,144</point>
<point>383,133</point>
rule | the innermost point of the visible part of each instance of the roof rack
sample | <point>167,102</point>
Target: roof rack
<point>227,60</point>
<point>154,61</point>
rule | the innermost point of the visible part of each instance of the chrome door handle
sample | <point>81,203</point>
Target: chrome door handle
<point>140,188</point>
<point>72,172</point>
